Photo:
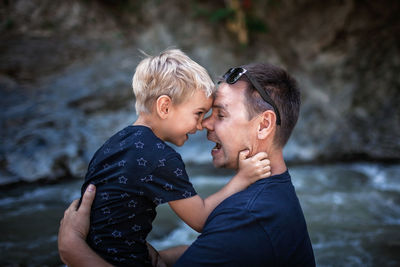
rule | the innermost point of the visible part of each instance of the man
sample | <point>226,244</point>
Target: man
<point>256,107</point>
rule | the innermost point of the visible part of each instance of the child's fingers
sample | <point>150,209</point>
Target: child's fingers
<point>243,154</point>
<point>265,162</point>
<point>87,199</point>
<point>260,156</point>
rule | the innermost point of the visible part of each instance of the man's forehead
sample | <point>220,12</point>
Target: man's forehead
<point>226,95</point>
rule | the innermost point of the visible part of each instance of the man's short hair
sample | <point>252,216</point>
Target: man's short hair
<point>283,90</point>
<point>170,73</point>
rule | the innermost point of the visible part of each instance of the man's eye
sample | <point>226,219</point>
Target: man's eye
<point>220,116</point>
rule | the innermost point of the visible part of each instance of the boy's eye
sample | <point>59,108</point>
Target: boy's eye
<point>199,113</point>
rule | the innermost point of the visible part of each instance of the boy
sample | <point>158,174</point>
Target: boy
<point>135,170</point>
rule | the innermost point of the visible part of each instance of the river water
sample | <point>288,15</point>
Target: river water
<point>352,212</point>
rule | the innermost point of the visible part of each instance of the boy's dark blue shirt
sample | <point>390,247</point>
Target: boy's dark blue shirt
<point>262,225</point>
<point>134,171</point>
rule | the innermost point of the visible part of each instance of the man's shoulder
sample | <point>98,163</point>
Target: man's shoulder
<point>264,192</point>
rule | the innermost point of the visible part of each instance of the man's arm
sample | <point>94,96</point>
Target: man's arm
<point>171,255</point>
<point>72,246</point>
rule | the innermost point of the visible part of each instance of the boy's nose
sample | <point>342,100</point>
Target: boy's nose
<point>199,125</point>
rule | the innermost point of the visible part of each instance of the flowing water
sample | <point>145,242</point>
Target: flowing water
<point>352,211</point>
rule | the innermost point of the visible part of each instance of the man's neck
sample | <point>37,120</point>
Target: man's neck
<point>278,164</point>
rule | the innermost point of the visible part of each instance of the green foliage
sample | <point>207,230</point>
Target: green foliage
<point>9,25</point>
<point>256,25</point>
<point>221,14</point>
<point>217,15</point>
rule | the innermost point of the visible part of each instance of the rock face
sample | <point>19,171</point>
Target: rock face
<point>66,69</point>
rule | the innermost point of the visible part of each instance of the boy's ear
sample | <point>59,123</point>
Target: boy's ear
<point>266,124</point>
<point>163,106</point>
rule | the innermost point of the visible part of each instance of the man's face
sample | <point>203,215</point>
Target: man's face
<point>228,126</point>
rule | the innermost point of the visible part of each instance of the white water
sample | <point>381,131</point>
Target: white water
<point>352,211</point>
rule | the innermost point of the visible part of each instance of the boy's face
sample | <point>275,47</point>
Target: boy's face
<point>186,117</point>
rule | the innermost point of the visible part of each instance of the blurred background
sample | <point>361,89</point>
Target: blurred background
<point>65,87</point>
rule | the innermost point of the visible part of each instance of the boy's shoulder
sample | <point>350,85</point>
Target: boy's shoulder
<point>141,139</point>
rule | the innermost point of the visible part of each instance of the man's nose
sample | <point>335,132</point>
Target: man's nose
<point>208,124</point>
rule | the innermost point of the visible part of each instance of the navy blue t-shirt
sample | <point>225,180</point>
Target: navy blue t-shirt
<point>263,225</point>
<point>134,171</point>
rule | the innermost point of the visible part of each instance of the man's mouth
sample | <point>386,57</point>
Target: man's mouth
<point>216,148</point>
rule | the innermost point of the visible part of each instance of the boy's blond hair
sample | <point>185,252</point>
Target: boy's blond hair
<point>170,73</point>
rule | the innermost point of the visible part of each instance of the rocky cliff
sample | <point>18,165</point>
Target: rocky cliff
<point>66,67</point>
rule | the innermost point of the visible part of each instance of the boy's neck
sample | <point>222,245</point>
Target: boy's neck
<point>149,121</point>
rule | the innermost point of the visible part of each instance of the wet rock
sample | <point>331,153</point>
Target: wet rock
<point>66,69</point>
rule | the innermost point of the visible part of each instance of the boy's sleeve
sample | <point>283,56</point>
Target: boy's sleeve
<point>168,182</point>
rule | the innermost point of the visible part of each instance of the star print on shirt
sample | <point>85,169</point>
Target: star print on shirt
<point>105,210</point>
<point>97,240</point>
<point>168,187</point>
<point>160,145</point>
<point>116,234</point>
<point>91,170</point>
<point>162,162</point>
<point>111,221</point>
<point>141,162</point>
<point>157,201</point>
<point>130,243</point>
<point>122,179</point>
<point>132,204</point>
<point>112,250</point>
<point>136,228</point>
<point>122,133</point>
<point>104,196</point>
<point>105,166</point>
<point>139,144</point>
<point>121,163</point>
<point>147,178</point>
<point>124,195</point>
<point>132,216</point>
<point>178,172</point>
<point>187,194</point>
<point>122,143</point>
<point>138,133</point>
<point>119,259</point>
<point>106,151</point>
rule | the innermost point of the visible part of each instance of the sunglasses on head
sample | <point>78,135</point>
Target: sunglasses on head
<point>234,74</point>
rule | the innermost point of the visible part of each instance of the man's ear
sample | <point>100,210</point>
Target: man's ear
<point>163,106</point>
<point>266,124</point>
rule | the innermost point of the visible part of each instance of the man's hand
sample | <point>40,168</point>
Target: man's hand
<point>155,257</point>
<point>75,224</point>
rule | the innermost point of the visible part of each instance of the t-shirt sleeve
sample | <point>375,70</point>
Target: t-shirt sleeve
<point>169,181</point>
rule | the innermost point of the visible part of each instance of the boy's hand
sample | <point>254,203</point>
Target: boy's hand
<point>254,168</point>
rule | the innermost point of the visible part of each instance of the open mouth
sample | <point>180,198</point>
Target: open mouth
<point>217,147</point>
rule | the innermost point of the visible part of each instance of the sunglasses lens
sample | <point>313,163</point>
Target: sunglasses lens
<point>234,75</point>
